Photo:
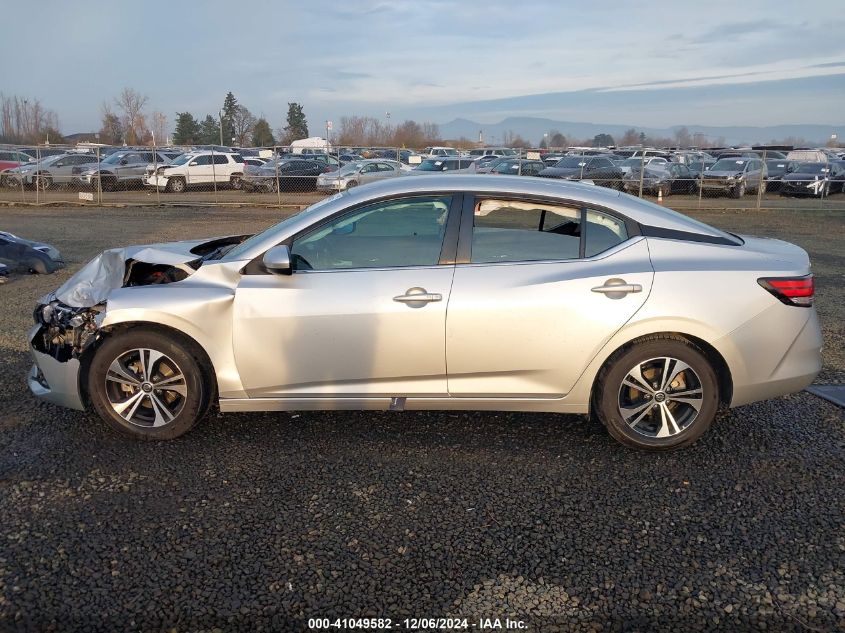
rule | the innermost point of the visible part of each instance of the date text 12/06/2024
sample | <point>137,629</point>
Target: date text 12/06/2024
<point>412,624</point>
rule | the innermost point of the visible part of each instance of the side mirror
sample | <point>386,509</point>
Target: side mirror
<point>192,164</point>
<point>277,260</point>
<point>123,161</point>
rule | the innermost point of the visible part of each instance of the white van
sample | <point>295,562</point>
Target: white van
<point>312,144</point>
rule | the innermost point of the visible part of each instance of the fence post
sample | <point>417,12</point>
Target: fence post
<point>213,167</point>
<point>762,183</point>
<point>642,170</point>
<point>20,178</point>
<point>98,180</point>
<point>700,183</point>
<point>276,184</point>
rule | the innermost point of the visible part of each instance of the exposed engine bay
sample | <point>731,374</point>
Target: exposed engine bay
<point>70,317</point>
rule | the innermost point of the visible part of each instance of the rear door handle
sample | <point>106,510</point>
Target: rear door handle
<point>617,288</point>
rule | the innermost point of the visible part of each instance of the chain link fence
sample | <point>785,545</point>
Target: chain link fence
<point>283,176</point>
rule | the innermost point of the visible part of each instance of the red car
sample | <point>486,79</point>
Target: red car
<point>10,158</point>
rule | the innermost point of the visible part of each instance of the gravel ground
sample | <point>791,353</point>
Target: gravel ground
<point>260,521</point>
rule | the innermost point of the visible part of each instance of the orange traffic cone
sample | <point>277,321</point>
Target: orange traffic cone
<point>660,195</point>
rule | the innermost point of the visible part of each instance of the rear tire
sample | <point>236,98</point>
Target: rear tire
<point>652,418</point>
<point>236,182</point>
<point>107,183</point>
<point>123,378</point>
<point>36,267</point>
<point>42,182</point>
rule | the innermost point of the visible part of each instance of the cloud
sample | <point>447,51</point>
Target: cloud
<point>734,30</point>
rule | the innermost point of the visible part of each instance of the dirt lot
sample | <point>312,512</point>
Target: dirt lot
<point>260,521</point>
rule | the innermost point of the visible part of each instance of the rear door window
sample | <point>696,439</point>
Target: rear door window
<point>517,231</point>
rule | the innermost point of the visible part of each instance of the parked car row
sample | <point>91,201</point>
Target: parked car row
<point>734,172</point>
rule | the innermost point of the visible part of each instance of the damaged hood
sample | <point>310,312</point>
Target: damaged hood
<point>93,282</point>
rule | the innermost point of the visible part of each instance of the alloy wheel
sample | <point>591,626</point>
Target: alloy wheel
<point>146,388</point>
<point>660,397</point>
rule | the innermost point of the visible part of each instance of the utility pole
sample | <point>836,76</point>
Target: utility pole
<point>220,116</point>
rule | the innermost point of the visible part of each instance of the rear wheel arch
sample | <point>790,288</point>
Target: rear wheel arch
<point>718,362</point>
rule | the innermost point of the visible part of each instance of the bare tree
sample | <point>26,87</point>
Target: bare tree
<point>242,122</point>
<point>159,128</point>
<point>683,137</point>
<point>409,134</point>
<point>26,121</point>
<point>131,105</point>
<point>431,132</point>
<point>630,137</point>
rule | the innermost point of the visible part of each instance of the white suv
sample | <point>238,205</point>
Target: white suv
<point>199,169</point>
<point>439,152</point>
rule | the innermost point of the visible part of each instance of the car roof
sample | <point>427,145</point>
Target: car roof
<point>637,209</point>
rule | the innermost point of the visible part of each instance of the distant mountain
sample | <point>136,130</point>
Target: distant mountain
<point>532,130</point>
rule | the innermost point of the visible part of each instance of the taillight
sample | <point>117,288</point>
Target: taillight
<point>793,291</point>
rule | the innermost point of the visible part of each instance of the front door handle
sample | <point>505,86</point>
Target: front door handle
<point>417,297</point>
<point>617,288</point>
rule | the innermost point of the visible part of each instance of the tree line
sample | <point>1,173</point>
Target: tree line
<point>126,120</point>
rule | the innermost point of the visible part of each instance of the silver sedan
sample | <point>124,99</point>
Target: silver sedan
<point>447,292</point>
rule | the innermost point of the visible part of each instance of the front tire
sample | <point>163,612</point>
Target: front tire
<point>660,394</point>
<point>147,385</point>
<point>176,185</point>
<point>738,191</point>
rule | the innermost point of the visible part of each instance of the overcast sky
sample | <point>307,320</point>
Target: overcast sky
<point>435,59</point>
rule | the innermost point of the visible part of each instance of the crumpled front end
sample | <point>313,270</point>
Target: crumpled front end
<point>57,342</point>
<point>68,321</point>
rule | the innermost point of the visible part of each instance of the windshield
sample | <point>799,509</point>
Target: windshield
<point>349,168</point>
<point>776,167</point>
<point>270,164</point>
<point>184,158</point>
<point>632,162</point>
<point>51,159</point>
<point>729,164</point>
<point>495,161</point>
<point>113,159</point>
<point>239,250</point>
<point>431,164</point>
<point>572,162</point>
<point>507,166</point>
<point>812,168</point>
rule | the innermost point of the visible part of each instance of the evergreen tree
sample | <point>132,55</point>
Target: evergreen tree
<point>209,131</point>
<point>602,140</point>
<point>297,126</point>
<point>111,130</point>
<point>230,105</point>
<point>187,130</point>
<point>262,135</point>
